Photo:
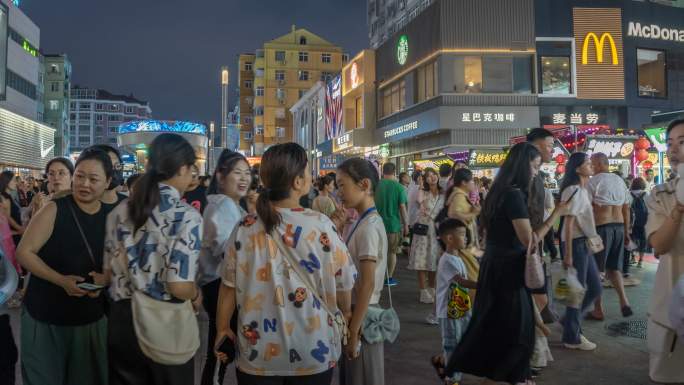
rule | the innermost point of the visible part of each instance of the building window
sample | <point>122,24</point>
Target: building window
<point>21,85</point>
<point>302,40</point>
<point>303,57</point>
<point>259,130</point>
<point>498,74</point>
<point>72,116</point>
<point>280,93</point>
<point>280,56</point>
<point>280,132</point>
<point>99,106</point>
<point>303,75</point>
<point>114,107</point>
<point>84,106</point>
<point>280,75</point>
<point>83,116</point>
<point>130,109</point>
<point>468,71</point>
<point>248,84</point>
<point>260,91</point>
<point>556,75</point>
<point>53,105</point>
<point>522,74</point>
<point>652,75</point>
<point>248,135</point>
<point>54,68</point>
<point>248,66</point>
<point>99,117</point>
<point>326,58</point>
<point>326,76</point>
<point>54,86</point>
<point>259,111</point>
<point>114,118</point>
<point>427,84</point>
<point>301,93</point>
<point>393,98</point>
<point>72,105</point>
<point>345,57</point>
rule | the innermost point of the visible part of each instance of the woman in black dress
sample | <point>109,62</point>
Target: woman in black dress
<point>500,338</point>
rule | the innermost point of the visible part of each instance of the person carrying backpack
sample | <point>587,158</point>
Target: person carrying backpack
<point>639,217</point>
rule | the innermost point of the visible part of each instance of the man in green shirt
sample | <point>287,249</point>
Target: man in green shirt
<point>390,200</point>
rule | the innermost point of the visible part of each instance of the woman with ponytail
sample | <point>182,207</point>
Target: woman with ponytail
<point>294,276</point>
<point>152,252</point>
<point>229,183</point>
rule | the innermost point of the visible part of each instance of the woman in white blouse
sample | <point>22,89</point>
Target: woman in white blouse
<point>230,183</point>
<point>579,229</point>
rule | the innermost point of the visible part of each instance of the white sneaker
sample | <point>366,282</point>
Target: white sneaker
<point>431,319</point>
<point>425,296</point>
<point>584,344</point>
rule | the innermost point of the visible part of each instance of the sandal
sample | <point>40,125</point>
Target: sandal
<point>437,363</point>
<point>590,316</point>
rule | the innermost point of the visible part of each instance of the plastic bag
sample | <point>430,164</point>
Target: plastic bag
<point>677,307</point>
<point>567,289</point>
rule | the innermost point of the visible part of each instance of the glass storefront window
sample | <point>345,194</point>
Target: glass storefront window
<point>556,75</point>
<point>522,75</point>
<point>498,74</point>
<point>427,83</point>
<point>393,98</point>
<point>473,74</point>
<point>652,73</point>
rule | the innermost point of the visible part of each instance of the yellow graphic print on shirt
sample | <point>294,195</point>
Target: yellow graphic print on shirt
<point>459,301</point>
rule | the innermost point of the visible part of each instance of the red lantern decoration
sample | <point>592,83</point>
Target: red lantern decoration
<point>560,159</point>
<point>647,165</point>
<point>641,155</point>
<point>642,144</point>
<point>560,169</point>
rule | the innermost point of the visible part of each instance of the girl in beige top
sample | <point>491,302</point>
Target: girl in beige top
<point>323,203</point>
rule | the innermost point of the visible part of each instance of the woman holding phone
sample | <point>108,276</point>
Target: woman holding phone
<point>63,321</point>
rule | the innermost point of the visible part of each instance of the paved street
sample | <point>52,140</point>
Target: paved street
<point>618,359</point>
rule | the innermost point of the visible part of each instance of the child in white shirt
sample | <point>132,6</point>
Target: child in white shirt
<point>453,303</point>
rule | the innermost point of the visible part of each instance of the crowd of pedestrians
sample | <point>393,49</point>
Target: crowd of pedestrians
<point>295,273</point>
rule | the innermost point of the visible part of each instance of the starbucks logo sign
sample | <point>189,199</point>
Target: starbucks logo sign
<point>402,49</point>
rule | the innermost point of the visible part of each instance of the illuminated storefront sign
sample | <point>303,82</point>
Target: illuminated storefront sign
<point>402,50</point>
<point>487,158</point>
<point>29,48</point>
<point>658,137</point>
<point>599,44</point>
<point>575,118</point>
<point>253,160</point>
<point>25,143</point>
<point>353,74</point>
<point>655,32</point>
<point>401,129</point>
<point>432,163</point>
<point>613,147</point>
<point>599,53</point>
<point>343,142</point>
<point>467,117</point>
<point>162,126</point>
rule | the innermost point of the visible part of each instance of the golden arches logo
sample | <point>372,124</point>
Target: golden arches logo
<point>599,44</point>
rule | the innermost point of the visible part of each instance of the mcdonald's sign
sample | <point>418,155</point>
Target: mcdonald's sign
<point>599,44</point>
<point>599,53</point>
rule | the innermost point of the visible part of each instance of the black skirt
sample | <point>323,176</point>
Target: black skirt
<point>499,341</point>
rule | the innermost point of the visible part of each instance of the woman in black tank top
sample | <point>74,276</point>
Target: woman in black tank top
<point>64,330</point>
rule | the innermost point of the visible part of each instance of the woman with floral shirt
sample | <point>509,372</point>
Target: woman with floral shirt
<point>152,247</point>
<point>290,299</point>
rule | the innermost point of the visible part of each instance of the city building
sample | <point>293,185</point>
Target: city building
<point>95,116</point>
<point>449,82</point>
<point>388,16</point>
<point>309,126</point>
<point>57,98</point>
<point>22,75</point>
<point>283,70</point>
<point>246,87</point>
<point>135,137</point>
<point>25,143</point>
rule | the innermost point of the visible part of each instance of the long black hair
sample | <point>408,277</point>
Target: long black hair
<point>571,177</point>
<point>5,179</point>
<point>514,173</point>
<point>64,161</point>
<point>225,165</point>
<point>280,165</point>
<point>168,153</point>
<point>359,169</point>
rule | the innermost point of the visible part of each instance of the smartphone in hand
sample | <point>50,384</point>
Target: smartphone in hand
<point>89,285</point>
<point>227,347</point>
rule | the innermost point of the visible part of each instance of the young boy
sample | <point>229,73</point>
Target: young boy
<point>452,302</point>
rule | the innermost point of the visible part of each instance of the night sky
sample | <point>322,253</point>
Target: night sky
<point>169,52</point>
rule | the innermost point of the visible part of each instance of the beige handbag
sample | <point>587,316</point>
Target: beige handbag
<point>167,332</point>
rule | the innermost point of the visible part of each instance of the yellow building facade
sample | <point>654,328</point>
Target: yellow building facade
<point>282,71</point>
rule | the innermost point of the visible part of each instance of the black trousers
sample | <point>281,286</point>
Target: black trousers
<point>210,293</point>
<point>127,363</point>
<point>324,378</point>
<point>8,351</point>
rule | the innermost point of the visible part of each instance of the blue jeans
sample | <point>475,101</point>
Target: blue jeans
<point>588,275</point>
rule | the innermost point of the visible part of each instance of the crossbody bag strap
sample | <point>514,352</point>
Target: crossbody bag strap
<point>80,230</point>
<point>289,255</point>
